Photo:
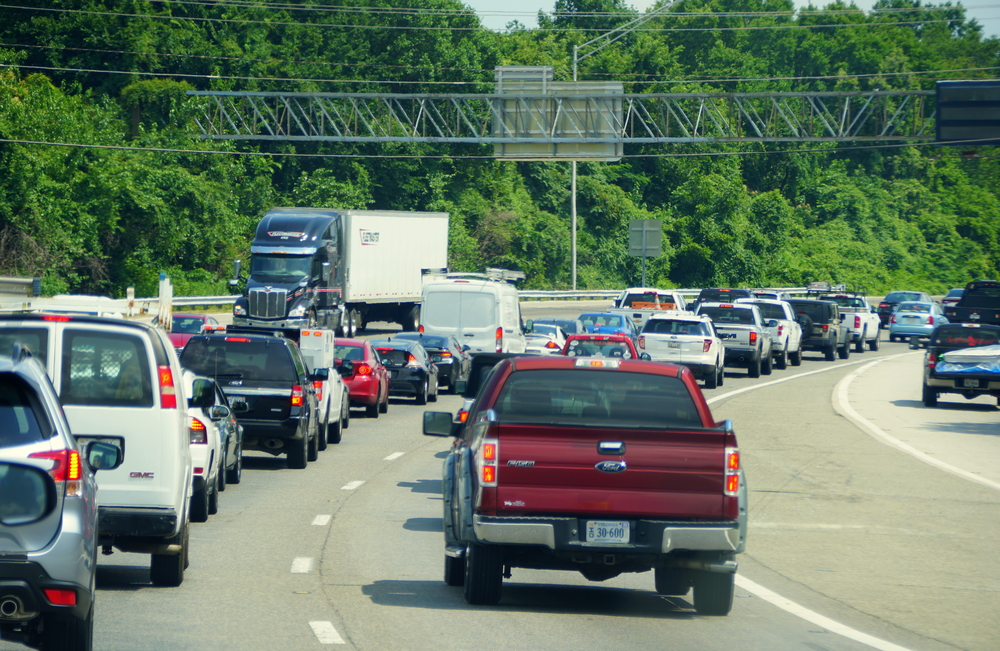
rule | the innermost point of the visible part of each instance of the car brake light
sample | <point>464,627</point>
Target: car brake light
<point>725,305</point>
<point>66,468</point>
<point>489,451</point>
<point>642,342</point>
<point>318,386</point>
<point>241,340</point>
<point>499,340</point>
<point>198,433</point>
<point>60,596</point>
<point>445,353</point>
<point>825,327</point>
<point>421,328</point>
<point>706,346</point>
<point>753,338</point>
<point>55,318</point>
<point>930,320</point>
<point>857,321</point>
<point>168,395</point>
<point>552,344</point>
<point>411,360</point>
<point>892,319</point>
<point>463,416</point>
<point>362,369</point>
<point>781,329</point>
<point>732,470</point>
<point>297,395</point>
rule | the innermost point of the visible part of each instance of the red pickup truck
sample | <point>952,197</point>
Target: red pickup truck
<point>599,465</point>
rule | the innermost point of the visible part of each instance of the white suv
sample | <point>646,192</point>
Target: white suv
<point>120,382</point>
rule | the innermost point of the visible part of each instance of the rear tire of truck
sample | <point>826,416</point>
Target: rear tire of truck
<point>169,570</point>
<point>297,454</point>
<point>322,438</point>
<point>352,323</point>
<point>713,593</point>
<point>797,357</point>
<point>483,574</point>
<point>199,505</point>
<point>68,633</point>
<point>767,367</point>
<point>830,353</point>
<point>930,397</point>
<point>411,321</point>
<point>754,369</point>
<point>845,351</point>
<point>311,321</point>
<point>333,432</point>
<point>782,361</point>
<point>672,582</point>
<point>859,345</point>
<point>873,344</point>
<point>454,571</point>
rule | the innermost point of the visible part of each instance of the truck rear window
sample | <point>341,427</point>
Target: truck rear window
<point>581,397</point>
<point>724,315</point>
<point>240,357</point>
<point>771,311</point>
<point>22,418</point>
<point>982,297</point>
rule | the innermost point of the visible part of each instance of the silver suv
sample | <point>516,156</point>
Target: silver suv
<point>48,513</point>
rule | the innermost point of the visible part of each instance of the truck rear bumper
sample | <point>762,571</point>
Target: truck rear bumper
<point>646,536</point>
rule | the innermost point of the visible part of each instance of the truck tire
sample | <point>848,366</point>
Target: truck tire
<point>797,357</point>
<point>297,454</point>
<point>930,397</point>
<point>213,497</point>
<point>66,632</point>
<point>235,474</point>
<point>754,369</point>
<point>483,574</point>
<point>782,361</point>
<point>169,570</point>
<point>845,351</point>
<point>352,323</point>
<point>767,365</point>
<point>345,420</point>
<point>859,345</point>
<point>322,438</point>
<point>873,344</point>
<point>454,571</point>
<point>831,353</point>
<point>333,432</point>
<point>713,593</point>
<point>672,581</point>
<point>222,468</point>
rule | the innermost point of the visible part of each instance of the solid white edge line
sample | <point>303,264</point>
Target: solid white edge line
<point>326,633</point>
<point>352,485</point>
<point>394,456</point>
<point>815,618</point>
<point>302,565</point>
<point>842,405</point>
<point>322,520</point>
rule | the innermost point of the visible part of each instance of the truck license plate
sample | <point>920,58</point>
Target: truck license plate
<point>673,344</point>
<point>970,384</point>
<point>601,531</point>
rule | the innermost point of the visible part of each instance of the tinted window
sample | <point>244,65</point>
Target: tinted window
<point>36,339</point>
<point>105,368</point>
<point>771,311</point>
<point>611,398</point>
<point>962,336</point>
<point>347,351</point>
<point>724,315</point>
<point>543,329</point>
<point>240,357</point>
<point>568,325</point>
<point>665,326</point>
<point>595,348</point>
<point>955,293</point>
<point>22,417</point>
<point>722,296</point>
<point>392,356</point>
<point>187,325</point>
<point>818,312</point>
<point>982,297</point>
<point>903,296</point>
<point>922,308</point>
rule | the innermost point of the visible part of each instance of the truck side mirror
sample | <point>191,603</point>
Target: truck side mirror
<point>773,323</point>
<point>529,325</point>
<point>325,272</point>
<point>321,375</point>
<point>460,386</point>
<point>440,423</point>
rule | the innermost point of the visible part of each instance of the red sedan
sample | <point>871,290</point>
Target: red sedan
<point>595,345</point>
<point>185,326</point>
<point>367,379</point>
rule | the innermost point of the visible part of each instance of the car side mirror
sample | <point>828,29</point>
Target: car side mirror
<point>346,368</point>
<point>440,423</point>
<point>240,406</point>
<point>529,325</point>
<point>202,394</point>
<point>320,375</point>
<point>466,348</point>
<point>773,323</point>
<point>460,386</point>
<point>218,412</point>
<point>646,357</point>
<point>101,455</point>
<point>27,494</point>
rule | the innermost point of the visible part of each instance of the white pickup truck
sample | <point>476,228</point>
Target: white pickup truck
<point>860,317</point>
<point>744,334</point>
<point>685,339</point>
<point>786,333</point>
<point>640,303</point>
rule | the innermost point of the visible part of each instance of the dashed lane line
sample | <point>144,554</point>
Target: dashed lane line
<point>326,633</point>
<point>322,520</point>
<point>394,456</point>
<point>302,565</point>
<point>352,485</point>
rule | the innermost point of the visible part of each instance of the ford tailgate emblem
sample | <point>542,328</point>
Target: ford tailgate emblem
<point>610,466</point>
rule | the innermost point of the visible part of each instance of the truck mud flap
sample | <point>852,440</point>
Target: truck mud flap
<point>447,492</point>
<point>467,532</point>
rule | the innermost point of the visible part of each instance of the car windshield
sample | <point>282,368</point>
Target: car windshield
<point>427,341</point>
<point>771,311</point>
<point>818,312</point>
<point>955,293</point>
<point>988,297</point>
<point>722,295</point>
<point>349,351</point>
<point>922,308</point>
<point>845,301</point>
<point>675,327</point>
<point>725,315</point>
<point>187,324</point>
<point>578,397</point>
<point>568,325</point>
<point>393,356</point>
<point>285,268</point>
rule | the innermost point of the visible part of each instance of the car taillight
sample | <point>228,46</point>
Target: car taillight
<point>706,345</point>
<point>732,470</point>
<point>445,353</point>
<point>55,318</point>
<point>883,305</point>
<point>753,337</point>
<point>642,342</point>
<point>489,452</point>
<point>499,340</point>
<point>463,416</point>
<point>825,327</point>
<point>892,319</point>
<point>168,395</point>
<point>198,432</point>
<point>420,328</point>
<point>60,596</point>
<point>552,344</point>
<point>298,398</point>
<point>67,468</point>
<point>930,320</point>
<point>857,321</point>
<point>318,386</point>
<point>362,369</point>
<point>411,360</point>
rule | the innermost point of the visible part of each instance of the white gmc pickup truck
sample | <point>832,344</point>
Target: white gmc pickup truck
<point>639,303</point>
<point>860,317</point>
<point>786,333</point>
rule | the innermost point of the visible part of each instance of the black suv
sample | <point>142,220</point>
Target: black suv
<point>822,327</point>
<point>270,388</point>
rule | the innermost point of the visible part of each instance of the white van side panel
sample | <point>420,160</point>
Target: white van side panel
<point>472,311</point>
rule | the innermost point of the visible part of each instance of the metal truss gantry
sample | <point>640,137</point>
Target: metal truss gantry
<point>877,116</point>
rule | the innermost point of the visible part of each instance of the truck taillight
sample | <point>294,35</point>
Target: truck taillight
<point>67,468</point>
<point>857,321</point>
<point>826,327</point>
<point>642,342</point>
<point>732,470</point>
<point>198,433</point>
<point>489,452</point>
<point>753,338</point>
<point>298,398</point>
<point>932,361</point>
<point>168,395</point>
<point>706,345</point>
<point>781,329</point>
<point>318,386</point>
<point>499,340</point>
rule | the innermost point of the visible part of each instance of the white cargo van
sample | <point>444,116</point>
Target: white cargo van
<point>481,313</point>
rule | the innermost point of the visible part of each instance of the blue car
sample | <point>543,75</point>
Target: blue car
<point>604,323</point>
<point>913,318</point>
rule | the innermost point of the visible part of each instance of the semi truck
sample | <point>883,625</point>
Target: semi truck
<point>339,269</point>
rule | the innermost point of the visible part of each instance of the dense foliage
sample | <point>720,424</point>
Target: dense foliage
<point>135,200</point>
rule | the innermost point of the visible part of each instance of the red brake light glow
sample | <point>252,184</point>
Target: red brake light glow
<point>552,344</point>
<point>198,434</point>
<point>168,395</point>
<point>488,454</point>
<point>732,469</point>
<point>499,340</point>
<point>318,386</point>
<point>445,354</point>
<point>55,318</point>
<point>66,468</point>
<point>241,340</point>
<point>60,596</point>
<point>362,369</point>
<point>753,337</point>
<point>297,395</point>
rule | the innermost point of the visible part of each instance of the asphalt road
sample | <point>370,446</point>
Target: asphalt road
<point>873,524</point>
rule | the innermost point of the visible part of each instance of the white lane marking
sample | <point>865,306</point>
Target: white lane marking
<point>351,485</point>
<point>394,456</point>
<point>322,520</point>
<point>302,565</point>
<point>842,405</point>
<point>326,633</point>
<point>814,617</point>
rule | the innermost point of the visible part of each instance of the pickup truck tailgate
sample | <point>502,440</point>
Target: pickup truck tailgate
<point>658,473</point>
<point>263,402</point>
<point>734,335</point>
